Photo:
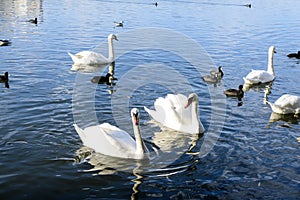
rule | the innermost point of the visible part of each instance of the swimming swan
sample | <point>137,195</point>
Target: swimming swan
<point>286,104</point>
<point>112,141</point>
<point>93,58</point>
<point>178,112</point>
<point>261,76</point>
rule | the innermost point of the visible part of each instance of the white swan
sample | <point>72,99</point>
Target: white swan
<point>178,113</point>
<point>94,58</point>
<point>262,76</point>
<point>112,141</point>
<point>286,104</point>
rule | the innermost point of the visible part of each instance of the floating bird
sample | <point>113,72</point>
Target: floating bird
<point>215,76</point>
<point>119,24</point>
<point>294,55</point>
<point>262,76</point>
<point>4,79</point>
<point>178,112</point>
<point>156,4</point>
<point>110,140</point>
<point>248,5</point>
<point>4,42</point>
<point>34,21</point>
<point>108,79</point>
<point>239,93</point>
<point>286,104</point>
<point>219,73</point>
<point>93,58</point>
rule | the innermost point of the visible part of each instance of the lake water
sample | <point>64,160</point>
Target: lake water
<point>245,152</point>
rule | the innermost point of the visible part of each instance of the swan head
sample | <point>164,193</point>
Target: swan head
<point>193,97</point>
<point>272,49</point>
<point>135,116</point>
<point>112,37</point>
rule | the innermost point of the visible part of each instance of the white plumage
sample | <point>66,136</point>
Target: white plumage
<point>178,112</point>
<point>112,141</point>
<point>286,104</point>
<point>94,58</point>
<point>262,76</point>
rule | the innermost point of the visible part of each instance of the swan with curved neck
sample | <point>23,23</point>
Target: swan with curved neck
<point>261,76</point>
<point>94,58</point>
<point>112,141</point>
<point>178,112</point>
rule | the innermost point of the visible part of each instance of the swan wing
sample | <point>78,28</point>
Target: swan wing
<point>88,58</point>
<point>108,140</point>
<point>258,76</point>
<point>171,112</point>
<point>165,111</point>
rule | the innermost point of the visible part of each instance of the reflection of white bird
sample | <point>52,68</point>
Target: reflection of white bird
<point>178,113</point>
<point>112,141</point>
<point>286,104</point>
<point>93,58</point>
<point>262,76</point>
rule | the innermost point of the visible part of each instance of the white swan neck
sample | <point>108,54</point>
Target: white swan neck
<point>195,113</point>
<point>111,55</point>
<point>140,146</point>
<point>270,63</point>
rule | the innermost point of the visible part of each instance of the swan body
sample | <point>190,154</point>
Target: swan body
<point>215,76</point>
<point>294,55</point>
<point>178,112</point>
<point>112,141</point>
<point>262,76</point>
<point>94,58</point>
<point>286,104</point>
<point>235,92</point>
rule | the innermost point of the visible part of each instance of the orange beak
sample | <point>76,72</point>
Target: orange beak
<point>135,119</point>
<point>190,100</point>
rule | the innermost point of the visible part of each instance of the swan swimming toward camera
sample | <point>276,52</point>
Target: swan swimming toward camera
<point>112,141</point>
<point>262,76</point>
<point>178,112</point>
<point>94,58</point>
<point>286,104</point>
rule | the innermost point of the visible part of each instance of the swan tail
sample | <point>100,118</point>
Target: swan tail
<point>74,58</point>
<point>148,110</point>
<point>80,132</point>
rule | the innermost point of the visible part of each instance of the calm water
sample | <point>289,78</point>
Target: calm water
<point>255,157</point>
